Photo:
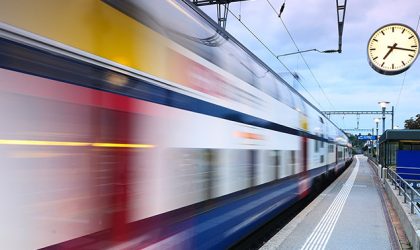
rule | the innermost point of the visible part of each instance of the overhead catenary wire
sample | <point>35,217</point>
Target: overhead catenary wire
<point>303,58</point>
<point>401,88</point>
<point>240,10</point>
<point>273,54</point>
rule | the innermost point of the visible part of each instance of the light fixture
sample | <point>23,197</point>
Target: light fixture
<point>383,104</point>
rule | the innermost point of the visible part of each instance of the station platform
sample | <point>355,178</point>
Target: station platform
<point>349,214</point>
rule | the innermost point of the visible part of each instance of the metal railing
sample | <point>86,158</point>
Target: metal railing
<point>410,194</point>
<point>373,159</point>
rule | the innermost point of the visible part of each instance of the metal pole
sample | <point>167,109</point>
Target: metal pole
<point>392,118</point>
<point>372,152</point>
<point>412,201</point>
<point>383,120</point>
<point>377,142</point>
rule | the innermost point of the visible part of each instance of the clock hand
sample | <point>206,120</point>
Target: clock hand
<point>401,48</point>
<point>391,48</point>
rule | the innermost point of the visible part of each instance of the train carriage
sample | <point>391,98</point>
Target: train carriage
<point>141,124</point>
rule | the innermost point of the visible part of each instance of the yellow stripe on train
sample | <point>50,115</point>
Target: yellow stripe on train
<point>73,144</point>
<point>92,26</point>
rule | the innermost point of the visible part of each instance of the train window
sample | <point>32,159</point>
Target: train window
<point>322,142</point>
<point>298,102</point>
<point>330,148</point>
<point>269,167</point>
<point>208,172</point>
<point>186,179</point>
<point>237,63</point>
<point>242,169</point>
<point>187,28</point>
<point>293,162</point>
<point>273,164</point>
<point>322,159</point>
<point>252,165</point>
<point>340,153</point>
<point>239,171</point>
<point>316,146</point>
<point>268,86</point>
<point>277,162</point>
<point>304,106</point>
<point>288,163</point>
<point>286,95</point>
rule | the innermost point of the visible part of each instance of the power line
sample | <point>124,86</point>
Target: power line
<point>303,58</point>
<point>402,86</point>
<point>273,54</point>
<point>240,10</point>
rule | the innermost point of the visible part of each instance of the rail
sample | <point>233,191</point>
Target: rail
<point>399,183</point>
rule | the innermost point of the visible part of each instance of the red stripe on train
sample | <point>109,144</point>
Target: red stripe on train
<point>26,84</point>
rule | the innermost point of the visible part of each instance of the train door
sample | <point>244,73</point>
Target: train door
<point>304,178</point>
<point>336,155</point>
<point>113,166</point>
<point>277,166</point>
<point>336,158</point>
<point>252,168</point>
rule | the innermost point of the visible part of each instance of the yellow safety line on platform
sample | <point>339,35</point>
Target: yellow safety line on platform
<point>73,144</point>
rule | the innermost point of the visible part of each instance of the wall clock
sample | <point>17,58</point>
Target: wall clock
<point>392,49</point>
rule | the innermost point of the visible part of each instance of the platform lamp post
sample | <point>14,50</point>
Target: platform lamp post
<point>377,120</point>
<point>383,105</point>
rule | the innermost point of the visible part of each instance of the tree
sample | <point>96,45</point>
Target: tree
<point>412,123</point>
<point>356,143</point>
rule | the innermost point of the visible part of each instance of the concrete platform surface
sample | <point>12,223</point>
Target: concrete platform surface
<point>349,214</point>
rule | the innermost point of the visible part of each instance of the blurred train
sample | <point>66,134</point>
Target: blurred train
<point>137,124</point>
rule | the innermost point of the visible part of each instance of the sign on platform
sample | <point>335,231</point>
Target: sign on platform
<point>366,137</point>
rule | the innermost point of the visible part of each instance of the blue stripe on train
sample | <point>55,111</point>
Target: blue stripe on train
<point>220,225</point>
<point>243,216</point>
<point>227,224</point>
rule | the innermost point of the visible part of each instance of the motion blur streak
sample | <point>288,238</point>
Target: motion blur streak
<point>121,145</point>
<point>252,136</point>
<point>44,143</point>
<point>129,124</point>
<point>73,144</point>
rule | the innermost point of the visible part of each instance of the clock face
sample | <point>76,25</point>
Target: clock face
<point>392,49</point>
